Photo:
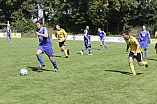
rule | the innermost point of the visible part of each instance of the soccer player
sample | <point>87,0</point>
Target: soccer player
<point>45,45</point>
<point>156,43</point>
<point>102,35</point>
<point>143,42</point>
<point>8,31</point>
<point>61,35</point>
<point>86,41</point>
<point>136,51</point>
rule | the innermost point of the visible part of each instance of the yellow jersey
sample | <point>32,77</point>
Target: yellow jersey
<point>156,34</point>
<point>60,34</point>
<point>132,43</point>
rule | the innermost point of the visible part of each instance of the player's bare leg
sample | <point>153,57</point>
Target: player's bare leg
<point>143,63</point>
<point>64,50</point>
<point>132,66</point>
<point>39,57</point>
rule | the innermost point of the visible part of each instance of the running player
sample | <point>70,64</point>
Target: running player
<point>8,31</point>
<point>156,43</point>
<point>136,51</point>
<point>61,35</point>
<point>86,41</point>
<point>45,45</point>
<point>143,42</point>
<point>102,35</point>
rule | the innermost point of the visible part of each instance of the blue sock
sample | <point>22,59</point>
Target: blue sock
<point>145,54</point>
<point>84,49</point>
<point>40,59</point>
<point>106,47</point>
<point>7,39</point>
<point>100,47</point>
<point>54,64</point>
<point>89,50</point>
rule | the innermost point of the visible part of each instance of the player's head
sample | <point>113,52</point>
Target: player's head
<point>58,26</point>
<point>99,29</point>
<point>143,27</point>
<point>125,34</point>
<point>39,24</point>
<point>87,27</point>
<point>8,27</point>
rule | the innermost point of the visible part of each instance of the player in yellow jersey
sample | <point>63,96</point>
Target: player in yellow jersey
<point>61,35</point>
<point>135,52</point>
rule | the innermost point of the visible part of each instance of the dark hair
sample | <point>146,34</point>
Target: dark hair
<point>59,25</point>
<point>126,32</point>
<point>39,21</point>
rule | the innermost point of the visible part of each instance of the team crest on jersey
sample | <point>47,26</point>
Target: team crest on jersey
<point>143,34</point>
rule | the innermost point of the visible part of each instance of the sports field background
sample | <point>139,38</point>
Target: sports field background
<point>103,78</point>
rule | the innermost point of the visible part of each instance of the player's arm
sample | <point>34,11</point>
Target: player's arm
<point>140,36</point>
<point>148,36</point>
<point>104,36</point>
<point>137,48</point>
<point>85,35</point>
<point>43,35</point>
<point>127,47</point>
<point>65,35</point>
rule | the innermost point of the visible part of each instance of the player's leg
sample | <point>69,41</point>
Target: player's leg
<point>85,43</point>
<point>145,53</point>
<point>89,49</point>
<point>7,38</point>
<point>156,48</point>
<point>100,45</point>
<point>62,48</point>
<point>105,45</point>
<point>131,56</point>
<point>50,54</point>
<point>39,57</point>
<point>140,60</point>
<point>145,49</point>
<point>10,37</point>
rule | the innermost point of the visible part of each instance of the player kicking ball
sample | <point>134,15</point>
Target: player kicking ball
<point>45,45</point>
<point>136,51</point>
<point>86,41</point>
<point>102,35</point>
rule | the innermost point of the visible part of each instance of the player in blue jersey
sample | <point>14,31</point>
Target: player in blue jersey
<point>86,41</point>
<point>8,31</point>
<point>45,45</point>
<point>144,34</point>
<point>102,35</point>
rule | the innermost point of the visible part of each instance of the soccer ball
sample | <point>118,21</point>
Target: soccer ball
<point>23,72</point>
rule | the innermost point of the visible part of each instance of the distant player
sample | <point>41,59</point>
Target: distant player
<point>156,43</point>
<point>8,31</point>
<point>45,45</point>
<point>61,35</point>
<point>143,42</point>
<point>102,35</point>
<point>86,41</point>
<point>136,51</point>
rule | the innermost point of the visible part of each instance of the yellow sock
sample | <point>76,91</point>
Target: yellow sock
<point>132,68</point>
<point>65,52</point>
<point>144,62</point>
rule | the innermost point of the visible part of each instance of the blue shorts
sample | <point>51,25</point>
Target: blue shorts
<point>47,49</point>
<point>87,44</point>
<point>143,45</point>
<point>102,40</point>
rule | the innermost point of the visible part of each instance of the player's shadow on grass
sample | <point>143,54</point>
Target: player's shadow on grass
<point>36,69</point>
<point>152,59</point>
<point>57,56</point>
<point>122,72</point>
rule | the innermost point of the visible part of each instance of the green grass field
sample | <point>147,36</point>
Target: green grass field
<point>103,78</point>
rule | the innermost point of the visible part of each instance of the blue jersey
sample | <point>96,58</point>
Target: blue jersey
<point>144,35</point>
<point>43,40</point>
<point>101,34</point>
<point>86,34</point>
<point>8,31</point>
